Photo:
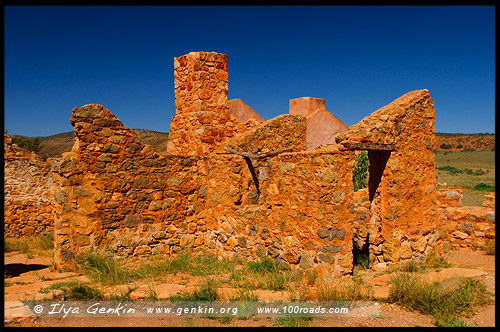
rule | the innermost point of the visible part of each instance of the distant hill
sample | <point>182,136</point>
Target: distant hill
<point>461,142</point>
<point>56,145</point>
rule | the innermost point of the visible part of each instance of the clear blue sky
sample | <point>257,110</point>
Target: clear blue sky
<point>357,58</point>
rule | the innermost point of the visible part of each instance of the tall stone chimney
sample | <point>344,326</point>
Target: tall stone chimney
<point>201,84</point>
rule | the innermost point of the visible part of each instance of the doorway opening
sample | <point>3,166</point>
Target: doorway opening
<point>367,175</point>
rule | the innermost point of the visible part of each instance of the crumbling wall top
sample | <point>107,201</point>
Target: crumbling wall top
<point>386,125</point>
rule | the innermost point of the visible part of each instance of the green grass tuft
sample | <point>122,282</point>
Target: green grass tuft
<point>414,293</point>
<point>355,291</point>
<point>38,244</point>
<point>294,321</point>
<point>105,270</point>
<point>207,292</point>
<point>265,273</point>
<point>74,291</point>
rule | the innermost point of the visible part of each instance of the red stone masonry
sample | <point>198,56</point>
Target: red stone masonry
<point>404,213</point>
<point>115,194</point>
<point>202,120</point>
<point>28,192</point>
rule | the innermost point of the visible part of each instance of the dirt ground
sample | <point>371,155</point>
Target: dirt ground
<point>26,276</point>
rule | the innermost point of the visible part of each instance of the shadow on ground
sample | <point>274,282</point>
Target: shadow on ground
<point>14,270</point>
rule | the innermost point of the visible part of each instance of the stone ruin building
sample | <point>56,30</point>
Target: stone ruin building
<point>235,185</point>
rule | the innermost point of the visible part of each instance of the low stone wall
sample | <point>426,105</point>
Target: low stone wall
<point>450,197</point>
<point>28,192</point>
<point>466,226</point>
<point>489,201</point>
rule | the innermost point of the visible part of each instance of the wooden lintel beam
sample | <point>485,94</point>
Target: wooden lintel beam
<point>259,156</point>
<point>368,146</point>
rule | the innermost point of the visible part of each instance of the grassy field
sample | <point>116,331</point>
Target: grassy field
<point>467,169</point>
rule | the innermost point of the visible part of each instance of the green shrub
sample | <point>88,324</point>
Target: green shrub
<point>434,260</point>
<point>362,260</point>
<point>454,171</point>
<point>413,266</point>
<point>82,292</point>
<point>452,322</point>
<point>483,187</point>
<point>28,143</point>
<point>360,171</point>
<point>265,273</point>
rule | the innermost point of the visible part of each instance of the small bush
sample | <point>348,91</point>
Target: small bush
<point>454,171</point>
<point>413,266</point>
<point>264,274</point>
<point>207,292</point>
<point>357,291</point>
<point>483,187</point>
<point>452,322</point>
<point>46,241</point>
<point>266,265</point>
<point>434,260</point>
<point>362,261</point>
<point>414,293</point>
<point>244,294</point>
<point>82,292</point>
<point>311,275</point>
<point>490,247</point>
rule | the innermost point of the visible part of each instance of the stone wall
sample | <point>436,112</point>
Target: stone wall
<point>399,138</point>
<point>111,183</point>
<point>466,226</point>
<point>114,193</point>
<point>280,132</point>
<point>28,192</point>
